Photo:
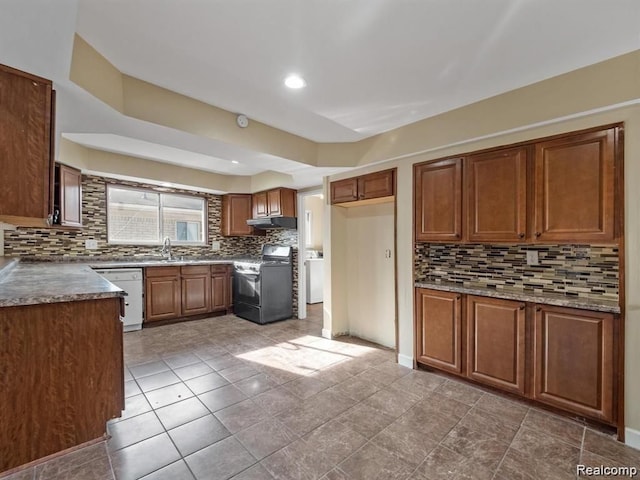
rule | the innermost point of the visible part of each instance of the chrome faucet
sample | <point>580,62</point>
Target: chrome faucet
<point>166,248</point>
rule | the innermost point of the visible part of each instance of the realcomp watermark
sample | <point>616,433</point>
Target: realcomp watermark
<point>602,470</point>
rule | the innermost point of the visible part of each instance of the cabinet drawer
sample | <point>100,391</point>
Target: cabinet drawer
<point>194,269</point>
<point>220,268</point>
<point>162,271</point>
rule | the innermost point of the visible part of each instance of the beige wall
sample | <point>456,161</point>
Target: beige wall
<point>315,205</point>
<point>371,307</point>
<point>492,128</point>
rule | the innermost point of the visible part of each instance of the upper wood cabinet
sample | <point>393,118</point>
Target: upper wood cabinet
<point>278,202</point>
<point>438,339</point>
<point>574,360</point>
<point>574,188</point>
<point>496,334</point>
<point>365,187</point>
<point>560,190</point>
<point>67,196</point>
<point>236,210</point>
<point>497,196</point>
<point>26,150</point>
<point>438,200</point>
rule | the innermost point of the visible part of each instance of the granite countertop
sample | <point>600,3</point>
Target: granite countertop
<point>35,283</point>
<point>155,263</point>
<point>603,305</point>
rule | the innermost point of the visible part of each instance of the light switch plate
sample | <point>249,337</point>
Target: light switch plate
<point>215,246</point>
<point>532,257</point>
<point>91,244</point>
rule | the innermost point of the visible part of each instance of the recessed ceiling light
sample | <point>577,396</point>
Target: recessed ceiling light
<point>235,161</point>
<point>295,81</point>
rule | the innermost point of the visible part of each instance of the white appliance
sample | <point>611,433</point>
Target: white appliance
<point>129,280</point>
<point>315,279</point>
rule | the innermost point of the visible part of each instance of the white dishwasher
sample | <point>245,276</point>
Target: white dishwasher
<point>129,280</point>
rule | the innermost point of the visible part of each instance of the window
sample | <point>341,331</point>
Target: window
<point>146,217</point>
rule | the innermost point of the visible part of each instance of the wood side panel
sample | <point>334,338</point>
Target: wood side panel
<point>438,201</point>
<point>497,196</point>
<point>496,335</point>
<point>61,376</point>
<point>438,329</point>
<point>575,188</point>
<point>574,361</point>
<point>25,144</point>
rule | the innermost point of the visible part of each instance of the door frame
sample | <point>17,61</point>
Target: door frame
<point>302,249</point>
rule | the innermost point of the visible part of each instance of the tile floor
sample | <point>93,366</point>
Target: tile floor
<point>224,398</point>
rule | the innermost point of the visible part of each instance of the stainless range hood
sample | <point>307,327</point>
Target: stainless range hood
<point>266,223</point>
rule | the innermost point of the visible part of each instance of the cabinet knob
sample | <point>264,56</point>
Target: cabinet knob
<point>521,235</point>
<point>521,307</point>
<point>538,234</point>
<point>538,309</point>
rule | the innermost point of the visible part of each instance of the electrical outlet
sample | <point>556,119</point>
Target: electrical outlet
<point>91,244</point>
<point>532,257</point>
<point>215,246</point>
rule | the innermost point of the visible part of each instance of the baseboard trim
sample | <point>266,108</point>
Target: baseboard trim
<point>632,437</point>
<point>405,360</point>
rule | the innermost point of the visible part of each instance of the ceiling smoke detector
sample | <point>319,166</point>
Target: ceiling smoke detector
<point>242,121</point>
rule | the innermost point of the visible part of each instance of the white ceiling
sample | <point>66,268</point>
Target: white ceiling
<point>370,65</point>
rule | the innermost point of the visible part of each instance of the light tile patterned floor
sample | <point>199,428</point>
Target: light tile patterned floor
<point>224,398</point>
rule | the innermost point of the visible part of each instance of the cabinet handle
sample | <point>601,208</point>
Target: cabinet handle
<point>538,234</point>
<point>521,307</point>
<point>457,235</point>
<point>458,297</point>
<point>538,309</point>
<point>521,235</point>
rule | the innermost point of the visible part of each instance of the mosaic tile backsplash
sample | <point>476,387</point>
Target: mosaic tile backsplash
<point>575,270</point>
<point>44,244</point>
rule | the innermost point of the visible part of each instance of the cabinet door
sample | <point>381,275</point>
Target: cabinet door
<point>260,205</point>
<point>26,178</point>
<point>438,201</point>
<point>162,297</point>
<point>219,292</point>
<point>236,210</point>
<point>574,188</point>
<point>376,185</point>
<point>438,329</point>
<point>574,361</point>
<point>497,195</point>
<point>273,203</point>
<point>496,342</point>
<point>69,192</point>
<point>195,289</point>
<point>344,190</point>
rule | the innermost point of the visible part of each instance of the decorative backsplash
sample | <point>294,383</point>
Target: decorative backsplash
<point>45,244</point>
<point>575,270</point>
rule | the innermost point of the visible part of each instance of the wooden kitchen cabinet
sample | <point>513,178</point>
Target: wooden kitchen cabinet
<point>497,196</point>
<point>26,147</point>
<point>438,201</point>
<point>278,202</point>
<point>221,281</point>
<point>68,196</point>
<point>195,289</point>
<point>62,376</point>
<point>162,293</point>
<point>365,187</point>
<point>438,329</point>
<point>574,361</point>
<point>496,336</point>
<point>236,210</point>
<point>574,188</point>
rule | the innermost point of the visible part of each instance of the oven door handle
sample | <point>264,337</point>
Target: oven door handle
<point>247,272</point>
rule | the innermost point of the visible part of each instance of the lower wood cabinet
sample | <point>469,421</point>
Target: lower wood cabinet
<point>62,376</point>
<point>574,360</point>
<point>162,293</point>
<point>439,329</point>
<point>496,336</point>
<point>563,357</point>
<point>196,280</point>
<point>221,288</point>
<point>174,292</point>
